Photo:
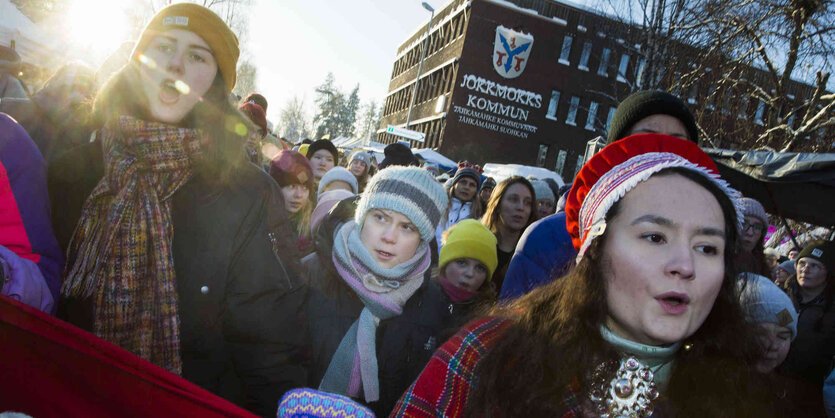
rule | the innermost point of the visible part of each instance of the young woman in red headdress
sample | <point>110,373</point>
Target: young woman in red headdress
<point>648,321</point>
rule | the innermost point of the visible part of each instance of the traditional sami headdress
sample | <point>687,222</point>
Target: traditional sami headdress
<point>467,169</point>
<point>467,164</point>
<point>621,166</point>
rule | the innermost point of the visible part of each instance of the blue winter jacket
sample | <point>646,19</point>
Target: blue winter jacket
<point>542,254</point>
<point>25,225</point>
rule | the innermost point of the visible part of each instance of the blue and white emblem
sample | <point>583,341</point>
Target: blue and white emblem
<point>510,52</point>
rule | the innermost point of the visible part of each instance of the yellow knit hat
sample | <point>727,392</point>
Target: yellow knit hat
<point>303,149</point>
<point>207,25</point>
<point>470,239</point>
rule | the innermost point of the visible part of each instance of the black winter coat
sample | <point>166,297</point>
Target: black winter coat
<point>240,289</point>
<point>405,343</point>
<point>458,314</point>
<point>811,353</point>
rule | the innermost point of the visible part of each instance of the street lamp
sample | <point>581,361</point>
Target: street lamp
<point>420,66</point>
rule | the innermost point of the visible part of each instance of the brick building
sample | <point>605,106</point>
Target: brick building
<point>530,85</point>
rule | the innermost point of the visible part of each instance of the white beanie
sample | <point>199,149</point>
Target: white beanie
<point>542,190</point>
<point>337,174</point>
<point>763,301</point>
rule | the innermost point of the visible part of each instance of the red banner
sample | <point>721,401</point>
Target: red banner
<point>51,368</point>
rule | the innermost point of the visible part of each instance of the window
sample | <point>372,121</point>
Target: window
<point>572,111</point>
<point>677,83</point>
<point>592,115</point>
<point>566,49</point>
<point>758,117</point>
<point>440,104</point>
<point>609,117</point>
<point>603,68</point>
<point>639,75</point>
<point>584,57</point>
<point>743,107</point>
<point>726,104</point>
<point>692,98</point>
<point>624,63</point>
<point>560,162</point>
<point>552,105</point>
<point>662,71</point>
<point>711,96</point>
<point>543,153</point>
<point>580,162</point>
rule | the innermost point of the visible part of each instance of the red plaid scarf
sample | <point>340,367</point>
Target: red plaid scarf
<point>122,245</point>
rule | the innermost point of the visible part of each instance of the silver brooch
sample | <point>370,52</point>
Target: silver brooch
<point>629,394</point>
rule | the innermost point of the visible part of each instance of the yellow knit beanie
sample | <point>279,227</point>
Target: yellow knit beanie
<point>470,239</point>
<point>303,149</point>
<point>207,25</point>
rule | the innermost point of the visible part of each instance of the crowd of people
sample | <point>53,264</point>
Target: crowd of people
<point>157,217</point>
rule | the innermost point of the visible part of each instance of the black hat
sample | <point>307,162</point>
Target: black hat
<point>323,144</point>
<point>823,251</point>
<point>647,103</point>
<point>397,154</point>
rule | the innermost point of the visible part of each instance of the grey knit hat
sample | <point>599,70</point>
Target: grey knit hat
<point>488,183</point>
<point>335,174</point>
<point>753,208</point>
<point>411,191</point>
<point>763,301</point>
<point>362,156</point>
<point>788,266</point>
<point>542,190</point>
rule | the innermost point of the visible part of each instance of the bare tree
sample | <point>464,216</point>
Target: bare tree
<point>38,10</point>
<point>247,80</point>
<point>294,123</point>
<point>741,65</point>
<point>369,121</point>
<point>348,113</point>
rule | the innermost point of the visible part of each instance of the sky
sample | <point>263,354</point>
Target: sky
<point>292,43</point>
<point>295,43</point>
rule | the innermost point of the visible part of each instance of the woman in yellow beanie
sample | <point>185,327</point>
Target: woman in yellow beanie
<point>468,258</point>
<point>214,304</point>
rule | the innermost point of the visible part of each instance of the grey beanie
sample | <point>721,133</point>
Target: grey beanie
<point>542,190</point>
<point>411,191</point>
<point>763,301</point>
<point>362,156</point>
<point>335,174</point>
<point>753,208</point>
<point>788,266</point>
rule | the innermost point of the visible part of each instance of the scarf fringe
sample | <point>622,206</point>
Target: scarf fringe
<point>122,246</point>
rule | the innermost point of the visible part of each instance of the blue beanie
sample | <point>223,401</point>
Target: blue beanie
<point>763,301</point>
<point>307,403</point>
<point>411,191</point>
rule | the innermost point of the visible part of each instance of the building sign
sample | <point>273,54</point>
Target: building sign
<point>406,133</point>
<point>510,52</point>
<point>497,107</point>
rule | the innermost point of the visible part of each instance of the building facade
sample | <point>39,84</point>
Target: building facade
<point>528,82</point>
